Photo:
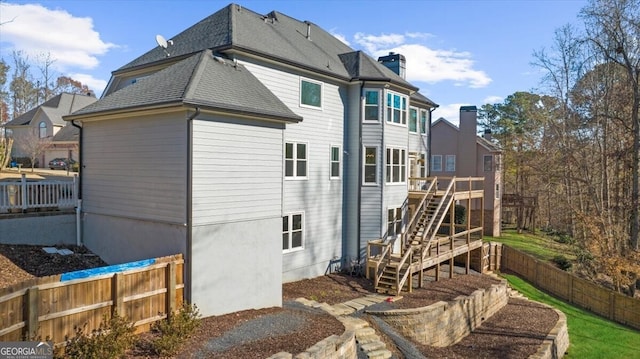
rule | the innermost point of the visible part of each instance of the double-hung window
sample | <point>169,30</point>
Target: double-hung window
<point>436,163</point>
<point>394,222</point>
<point>450,163</point>
<point>396,108</point>
<point>42,129</point>
<point>371,106</point>
<point>370,175</point>
<point>310,93</point>
<point>488,163</point>
<point>292,231</point>
<point>413,120</point>
<point>295,160</point>
<point>396,165</point>
<point>423,121</point>
<point>334,162</point>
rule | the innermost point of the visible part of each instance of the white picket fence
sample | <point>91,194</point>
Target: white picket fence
<point>22,195</point>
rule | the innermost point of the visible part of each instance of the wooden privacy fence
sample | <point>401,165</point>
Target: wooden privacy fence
<point>590,296</point>
<point>50,307</point>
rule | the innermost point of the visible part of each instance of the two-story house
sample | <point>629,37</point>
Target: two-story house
<point>260,146</point>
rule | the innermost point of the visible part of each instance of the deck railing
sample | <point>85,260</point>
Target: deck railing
<point>21,195</point>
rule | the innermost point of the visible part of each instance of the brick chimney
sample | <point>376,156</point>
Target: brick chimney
<point>467,150</point>
<point>395,62</point>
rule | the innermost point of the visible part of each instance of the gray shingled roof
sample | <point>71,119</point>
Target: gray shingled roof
<point>68,133</point>
<point>417,96</point>
<point>55,108</point>
<point>200,80</point>
<point>276,36</point>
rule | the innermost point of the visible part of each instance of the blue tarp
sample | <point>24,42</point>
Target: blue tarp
<point>86,273</point>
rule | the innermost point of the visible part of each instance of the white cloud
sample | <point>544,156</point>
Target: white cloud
<point>341,38</point>
<point>35,30</point>
<point>97,85</point>
<point>493,99</point>
<point>424,63</point>
<point>450,112</point>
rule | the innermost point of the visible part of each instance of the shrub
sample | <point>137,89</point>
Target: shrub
<point>175,330</point>
<point>113,337</point>
<point>562,262</point>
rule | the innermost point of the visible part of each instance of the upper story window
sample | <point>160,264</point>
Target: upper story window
<point>43,129</point>
<point>370,165</point>
<point>335,162</point>
<point>396,165</point>
<point>488,163</point>
<point>413,120</point>
<point>295,160</point>
<point>423,121</point>
<point>371,106</point>
<point>436,163</point>
<point>450,163</point>
<point>396,108</point>
<point>310,93</point>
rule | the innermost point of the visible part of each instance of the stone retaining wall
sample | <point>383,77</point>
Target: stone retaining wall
<point>442,324</point>
<point>333,347</point>
<point>557,341</point>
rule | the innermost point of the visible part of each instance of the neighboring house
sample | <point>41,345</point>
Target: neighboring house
<point>44,123</point>
<point>261,147</point>
<point>461,152</point>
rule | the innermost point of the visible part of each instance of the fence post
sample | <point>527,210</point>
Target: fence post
<point>23,184</point>
<point>612,306</point>
<point>31,328</point>
<point>170,272</point>
<point>117,294</point>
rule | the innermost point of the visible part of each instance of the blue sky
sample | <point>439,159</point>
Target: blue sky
<point>458,52</point>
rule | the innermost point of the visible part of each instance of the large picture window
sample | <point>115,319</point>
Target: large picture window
<point>396,165</point>
<point>370,165</point>
<point>396,108</point>
<point>295,160</point>
<point>371,106</point>
<point>311,93</point>
<point>292,231</point>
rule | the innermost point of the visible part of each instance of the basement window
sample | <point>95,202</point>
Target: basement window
<point>292,232</point>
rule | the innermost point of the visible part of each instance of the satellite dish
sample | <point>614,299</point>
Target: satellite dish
<point>161,41</point>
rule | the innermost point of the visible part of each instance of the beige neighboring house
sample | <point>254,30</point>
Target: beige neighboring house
<point>459,151</point>
<point>45,123</point>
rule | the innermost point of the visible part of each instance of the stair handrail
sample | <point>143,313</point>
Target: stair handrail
<point>430,225</point>
<point>418,212</point>
<point>400,281</point>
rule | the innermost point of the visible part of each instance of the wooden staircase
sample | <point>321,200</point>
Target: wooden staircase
<point>397,269</point>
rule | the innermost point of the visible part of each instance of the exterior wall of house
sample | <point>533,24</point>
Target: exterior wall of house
<point>134,187</point>
<point>466,160</point>
<point>395,194</point>
<point>237,214</point>
<point>318,197</point>
<point>444,141</point>
<point>352,175</point>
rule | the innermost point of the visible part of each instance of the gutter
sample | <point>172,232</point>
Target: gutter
<point>188,252</point>
<point>428,160</point>
<point>79,241</point>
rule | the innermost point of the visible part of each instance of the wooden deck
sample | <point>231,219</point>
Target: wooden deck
<point>427,240</point>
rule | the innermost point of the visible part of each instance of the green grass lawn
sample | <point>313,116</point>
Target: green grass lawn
<point>591,336</point>
<point>541,247</point>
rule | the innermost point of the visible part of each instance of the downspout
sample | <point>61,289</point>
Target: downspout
<point>187,260</point>
<point>360,169</point>
<point>79,241</point>
<point>428,159</point>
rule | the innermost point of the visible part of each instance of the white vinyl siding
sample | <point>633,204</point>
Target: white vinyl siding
<point>136,168</point>
<point>226,185</point>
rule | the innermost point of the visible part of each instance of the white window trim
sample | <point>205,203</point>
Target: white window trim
<point>384,108</point>
<point>446,163</point>
<point>417,120</point>
<point>406,159</point>
<point>433,169</point>
<point>304,225</point>
<point>284,161</point>
<point>321,94</point>
<point>423,130</point>
<point>395,223</point>
<point>364,163</point>
<point>380,106</point>
<point>331,147</point>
